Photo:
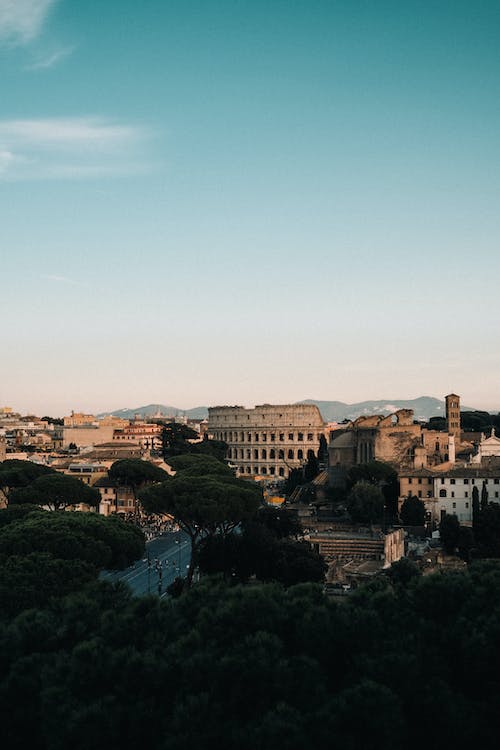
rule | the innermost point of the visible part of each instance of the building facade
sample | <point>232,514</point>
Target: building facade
<point>267,441</point>
<point>451,492</point>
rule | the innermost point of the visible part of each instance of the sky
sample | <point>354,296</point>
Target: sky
<point>248,201</point>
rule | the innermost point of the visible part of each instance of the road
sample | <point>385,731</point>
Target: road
<point>172,550</point>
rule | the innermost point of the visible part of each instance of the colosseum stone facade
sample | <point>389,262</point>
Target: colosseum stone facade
<point>268,440</point>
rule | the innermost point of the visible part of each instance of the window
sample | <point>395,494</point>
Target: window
<point>264,437</point>
<point>310,436</point>
<point>264,470</point>
<point>300,454</point>
<point>272,453</point>
<point>442,480</point>
<point>466,494</point>
<point>273,437</point>
<point>454,505</point>
<point>264,454</point>
<point>452,481</point>
<point>290,435</point>
<point>249,437</point>
<point>442,493</point>
<point>420,493</point>
<point>256,437</point>
<point>300,437</point>
<point>409,480</point>
<point>256,453</point>
<point>452,494</point>
<point>495,481</point>
<point>255,469</point>
<point>282,437</point>
<point>272,470</point>
<point>466,481</point>
<point>419,480</point>
<point>281,471</point>
<point>290,454</point>
<point>466,505</point>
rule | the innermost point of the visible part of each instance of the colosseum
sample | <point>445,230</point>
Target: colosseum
<point>267,440</point>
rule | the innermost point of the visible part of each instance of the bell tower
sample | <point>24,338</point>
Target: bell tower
<point>453,415</point>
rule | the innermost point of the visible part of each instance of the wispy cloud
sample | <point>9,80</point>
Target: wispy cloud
<point>21,21</point>
<point>70,148</point>
<point>50,61</point>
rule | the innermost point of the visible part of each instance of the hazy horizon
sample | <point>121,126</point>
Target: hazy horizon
<point>88,409</point>
<point>248,202</point>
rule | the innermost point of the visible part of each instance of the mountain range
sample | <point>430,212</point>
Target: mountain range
<point>424,407</point>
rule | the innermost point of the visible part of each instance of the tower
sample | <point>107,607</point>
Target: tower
<point>453,415</point>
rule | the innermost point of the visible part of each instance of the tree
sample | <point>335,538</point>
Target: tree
<point>202,506</point>
<point>175,437</point>
<point>56,491</point>
<point>403,572</point>
<point>449,531</point>
<point>323,451</point>
<point>365,503</point>
<point>412,512</point>
<point>465,543</point>
<point>484,496</point>
<point>214,448</point>
<point>198,465</point>
<point>136,473</point>
<point>475,504</point>
<point>311,469</point>
<point>381,475</point>
<point>487,530</point>
<point>281,522</point>
<point>105,543</point>
<point>15,474</point>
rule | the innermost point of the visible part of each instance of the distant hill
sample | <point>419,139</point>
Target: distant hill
<point>423,407</point>
<point>198,412</point>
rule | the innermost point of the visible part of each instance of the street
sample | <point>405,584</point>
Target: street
<point>165,559</point>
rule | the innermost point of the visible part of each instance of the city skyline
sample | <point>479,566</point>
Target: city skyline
<point>248,202</point>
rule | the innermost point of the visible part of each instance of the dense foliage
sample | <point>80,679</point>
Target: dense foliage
<point>55,491</point>
<point>45,554</point>
<point>412,511</point>
<point>15,474</point>
<point>263,548</point>
<point>365,503</point>
<point>203,505</point>
<point>405,664</point>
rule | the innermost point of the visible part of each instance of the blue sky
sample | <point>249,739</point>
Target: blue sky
<point>246,201</point>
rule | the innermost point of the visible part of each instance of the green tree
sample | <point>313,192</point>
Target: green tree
<point>381,475</point>
<point>484,496</point>
<point>56,491</point>
<point>449,531</point>
<point>365,503</point>
<point>311,469</point>
<point>102,542</point>
<point>15,474</point>
<point>403,572</point>
<point>190,464</point>
<point>412,512</point>
<point>475,504</point>
<point>465,543</point>
<point>487,530</point>
<point>202,506</point>
<point>136,473</point>
<point>323,451</point>
<point>281,522</point>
